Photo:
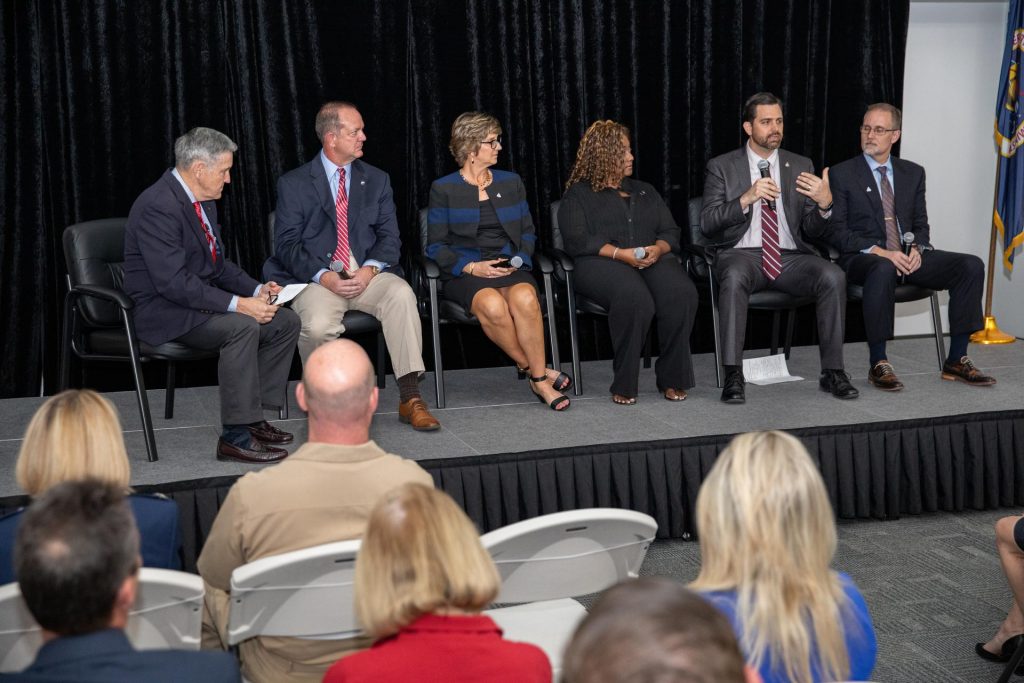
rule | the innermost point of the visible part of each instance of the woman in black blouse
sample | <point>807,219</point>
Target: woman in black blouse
<point>481,235</point>
<point>622,236</point>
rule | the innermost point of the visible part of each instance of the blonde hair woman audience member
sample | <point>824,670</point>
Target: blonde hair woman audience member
<point>74,435</point>
<point>481,234</point>
<point>422,578</point>
<point>767,539</point>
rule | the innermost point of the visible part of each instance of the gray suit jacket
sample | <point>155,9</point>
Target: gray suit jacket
<point>722,221</point>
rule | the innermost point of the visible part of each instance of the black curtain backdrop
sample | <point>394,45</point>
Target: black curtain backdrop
<point>95,93</point>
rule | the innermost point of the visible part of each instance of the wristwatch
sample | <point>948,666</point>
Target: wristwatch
<point>376,270</point>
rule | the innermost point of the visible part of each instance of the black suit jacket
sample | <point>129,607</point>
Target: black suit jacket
<point>305,233</point>
<point>107,656</point>
<point>857,218</point>
<point>722,221</point>
<point>167,266</point>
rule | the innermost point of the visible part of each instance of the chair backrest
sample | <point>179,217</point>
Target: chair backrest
<point>556,233</point>
<point>168,614</point>
<point>271,217</point>
<point>695,264</point>
<point>567,554</point>
<point>304,594</point>
<point>424,229</point>
<point>94,254</point>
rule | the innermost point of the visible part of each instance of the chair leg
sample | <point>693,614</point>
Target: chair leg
<point>382,359</point>
<point>574,336</point>
<point>775,331</point>
<point>435,331</point>
<point>549,302</point>
<point>1011,665</point>
<point>790,324</point>
<point>140,390</point>
<point>715,329</point>
<point>65,356</point>
<point>940,344</point>
<point>172,380</point>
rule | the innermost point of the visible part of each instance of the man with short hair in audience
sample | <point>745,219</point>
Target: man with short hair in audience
<point>77,559</point>
<point>654,629</point>
<point>322,493</point>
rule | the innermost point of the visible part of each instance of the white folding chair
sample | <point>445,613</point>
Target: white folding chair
<point>545,561</point>
<point>168,614</point>
<point>303,594</point>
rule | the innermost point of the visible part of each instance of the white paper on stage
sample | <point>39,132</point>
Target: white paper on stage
<point>767,370</point>
<point>289,292</point>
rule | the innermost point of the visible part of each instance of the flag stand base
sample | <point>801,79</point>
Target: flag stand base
<point>991,334</point>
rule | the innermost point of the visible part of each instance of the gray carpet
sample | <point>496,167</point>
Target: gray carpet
<point>933,584</point>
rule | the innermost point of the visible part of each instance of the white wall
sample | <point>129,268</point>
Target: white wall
<point>954,49</point>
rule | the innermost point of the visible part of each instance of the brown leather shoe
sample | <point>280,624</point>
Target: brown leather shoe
<point>257,452</point>
<point>415,412</point>
<point>268,433</point>
<point>966,372</point>
<point>884,377</point>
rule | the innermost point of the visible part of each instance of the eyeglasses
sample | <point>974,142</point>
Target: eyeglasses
<point>877,130</point>
<point>493,143</point>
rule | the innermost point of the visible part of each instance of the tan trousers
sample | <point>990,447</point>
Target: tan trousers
<point>388,298</point>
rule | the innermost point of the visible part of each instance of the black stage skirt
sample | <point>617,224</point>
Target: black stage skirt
<point>461,290</point>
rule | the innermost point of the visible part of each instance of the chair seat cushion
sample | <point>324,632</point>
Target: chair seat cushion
<point>114,342</point>
<point>772,298</point>
<point>357,322</point>
<point>904,293</point>
<point>454,312</point>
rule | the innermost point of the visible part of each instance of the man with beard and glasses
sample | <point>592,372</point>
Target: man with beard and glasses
<point>761,206</point>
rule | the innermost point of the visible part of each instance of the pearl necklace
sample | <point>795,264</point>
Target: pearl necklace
<point>486,182</point>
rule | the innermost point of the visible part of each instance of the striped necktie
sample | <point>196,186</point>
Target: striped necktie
<point>341,253</point>
<point>771,254</point>
<point>892,228</point>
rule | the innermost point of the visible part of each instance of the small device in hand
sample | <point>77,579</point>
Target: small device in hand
<point>339,268</point>
<point>503,263</point>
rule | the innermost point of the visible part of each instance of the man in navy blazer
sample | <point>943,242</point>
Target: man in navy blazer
<point>185,290</point>
<point>879,204</point>
<point>77,557</point>
<point>335,229</point>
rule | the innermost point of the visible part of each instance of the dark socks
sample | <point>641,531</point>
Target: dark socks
<point>237,435</point>
<point>876,351</point>
<point>408,387</point>
<point>958,347</point>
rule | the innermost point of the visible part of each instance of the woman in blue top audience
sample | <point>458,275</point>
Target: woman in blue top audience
<point>767,539</point>
<point>77,434</point>
<point>482,237</point>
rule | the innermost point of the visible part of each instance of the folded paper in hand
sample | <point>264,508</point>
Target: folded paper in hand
<point>288,292</point>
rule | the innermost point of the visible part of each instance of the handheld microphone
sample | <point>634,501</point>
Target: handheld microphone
<point>908,244</point>
<point>764,167</point>
<point>640,253</point>
<point>339,268</point>
<point>516,261</point>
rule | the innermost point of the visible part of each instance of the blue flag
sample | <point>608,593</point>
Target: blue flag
<point>1009,135</point>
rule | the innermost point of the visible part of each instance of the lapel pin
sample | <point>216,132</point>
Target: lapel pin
<point>498,195</point>
<point>362,182</point>
<point>787,164</point>
<point>867,189</point>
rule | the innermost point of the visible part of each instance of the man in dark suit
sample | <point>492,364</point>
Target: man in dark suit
<point>186,290</point>
<point>77,560</point>
<point>761,206</point>
<point>335,229</point>
<point>879,200</point>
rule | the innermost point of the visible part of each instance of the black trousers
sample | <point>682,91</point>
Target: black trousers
<point>254,360</point>
<point>962,274</point>
<point>633,298</point>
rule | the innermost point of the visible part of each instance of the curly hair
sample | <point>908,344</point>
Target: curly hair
<point>599,157</point>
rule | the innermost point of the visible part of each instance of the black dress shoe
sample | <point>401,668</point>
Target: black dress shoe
<point>734,389</point>
<point>268,433</point>
<point>838,384</point>
<point>256,452</point>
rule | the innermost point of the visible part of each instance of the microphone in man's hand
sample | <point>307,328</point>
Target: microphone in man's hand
<point>765,168</point>
<point>908,244</point>
<point>339,268</point>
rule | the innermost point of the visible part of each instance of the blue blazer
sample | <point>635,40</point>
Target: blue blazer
<point>305,235</point>
<point>858,221</point>
<point>107,657</point>
<point>167,266</point>
<point>159,532</point>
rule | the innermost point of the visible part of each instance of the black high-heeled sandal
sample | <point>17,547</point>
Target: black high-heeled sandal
<point>558,403</point>
<point>560,383</point>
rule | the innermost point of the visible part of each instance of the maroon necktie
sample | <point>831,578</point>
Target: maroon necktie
<point>341,220</point>
<point>771,255</point>
<point>206,229</point>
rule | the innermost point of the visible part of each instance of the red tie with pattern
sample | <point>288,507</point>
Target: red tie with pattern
<point>341,219</point>
<point>771,255</point>
<point>206,229</point>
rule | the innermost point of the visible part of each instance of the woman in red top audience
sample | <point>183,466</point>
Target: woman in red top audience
<point>422,578</point>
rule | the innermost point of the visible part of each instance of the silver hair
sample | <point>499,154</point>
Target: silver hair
<point>201,144</point>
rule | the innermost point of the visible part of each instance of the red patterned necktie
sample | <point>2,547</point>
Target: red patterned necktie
<point>771,255</point>
<point>206,229</point>
<point>892,228</point>
<point>341,219</point>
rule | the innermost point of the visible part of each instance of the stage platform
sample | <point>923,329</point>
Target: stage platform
<point>504,456</point>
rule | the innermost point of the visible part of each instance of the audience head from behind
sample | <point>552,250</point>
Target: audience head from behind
<point>420,555</point>
<point>653,630</point>
<point>767,539</point>
<point>77,558</point>
<point>74,434</point>
<point>338,393</point>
